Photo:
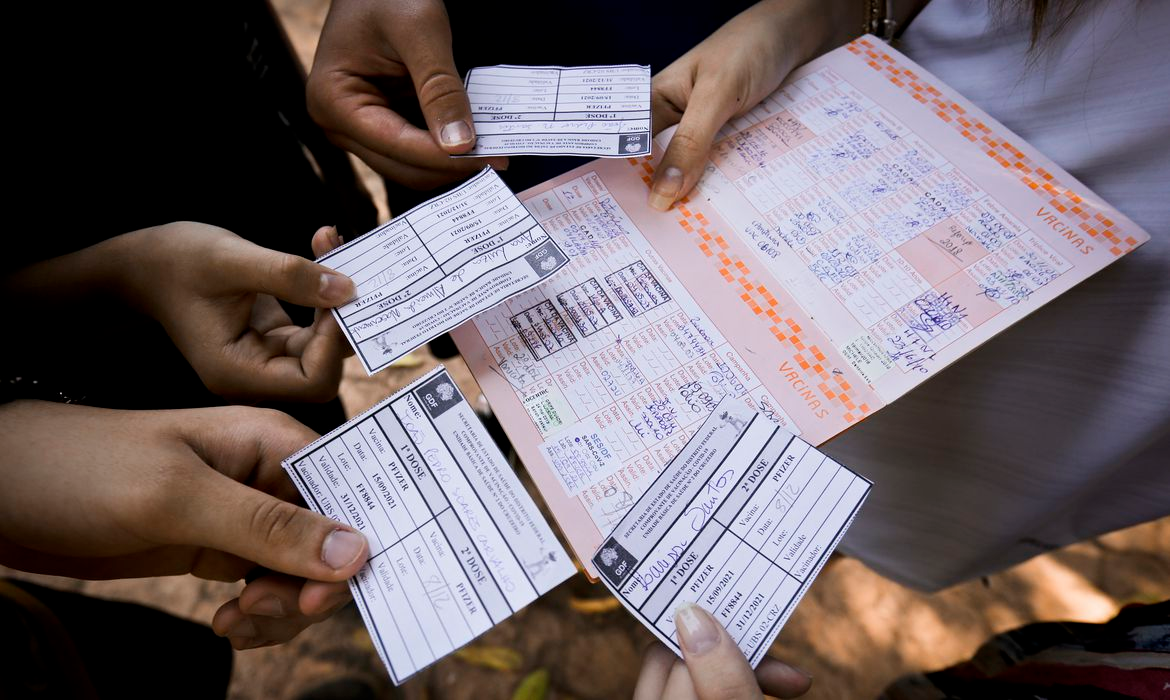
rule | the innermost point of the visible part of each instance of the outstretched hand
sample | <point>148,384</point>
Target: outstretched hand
<point>97,493</point>
<point>376,58</point>
<point>722,78</point>
<point>216,295</point>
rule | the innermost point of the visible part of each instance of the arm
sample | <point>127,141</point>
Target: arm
<point>96,493</point>
<point>215,294</point>
<point>377,57</point>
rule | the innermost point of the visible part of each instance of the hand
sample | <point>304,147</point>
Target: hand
<point>215,294</point>
<point>715,668</point>
<point>725,76</point>
<point>96,493</point>
<point>373,58</point>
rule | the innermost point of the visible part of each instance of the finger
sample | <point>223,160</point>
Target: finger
<point>780,680</point>
<point>277,630</point>
<point>717,666</point>
<point>708,108</point>
<point>231,517</point>
<point>272,604</point>
<point>214,565</point>
<point>440,92</point>
<point>272,595</point>
<point>323,322</point>
<point>246,267</point>
<point>253,631</point>
<point>216,511</point>
<point>247,445</point>
<point>320,599</point>
<point>229,621</point>
<point>446,171</point>
<point>264,366</point>
<point>268,315</point>
<point>297,338</point>
<point>664,105</point>
<point>326,239</point>
<point>317,375</point>
<point>656,665</point>
<point>679,685</point>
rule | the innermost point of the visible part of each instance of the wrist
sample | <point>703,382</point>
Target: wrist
<point>133,264</point>
<point>813,27</point>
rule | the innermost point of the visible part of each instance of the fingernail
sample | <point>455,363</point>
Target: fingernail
<point>243,628</point>
<point>341,548</point>
<point>335,288</point>
<point>334,237</point>
<point>667,187</point>
<point>697,630</point>
<point>455,134</point>
<point>268,606</point>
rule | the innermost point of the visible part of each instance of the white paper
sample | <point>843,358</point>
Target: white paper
<point>600,111</point>
<point>425,272</point>
<point>456,543</point>
<point>740,523</point>
<point>614,347</point>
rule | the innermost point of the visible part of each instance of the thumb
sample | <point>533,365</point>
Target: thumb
<point>708,109</point>
<point>441,94</point>
<point>275,534</point>
<point>717,667</point>
<point>252,268</point>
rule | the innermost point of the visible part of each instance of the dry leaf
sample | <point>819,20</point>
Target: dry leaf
<point>361,639</point>
<point>408,361</point>
<point>594,606</point>
<point>533,687</point>
<point>495,657</point>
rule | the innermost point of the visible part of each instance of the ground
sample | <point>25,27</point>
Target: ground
<point>855,631</point>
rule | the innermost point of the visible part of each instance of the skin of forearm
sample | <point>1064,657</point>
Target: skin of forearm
<point>826,24</point>
<point>96,272</point>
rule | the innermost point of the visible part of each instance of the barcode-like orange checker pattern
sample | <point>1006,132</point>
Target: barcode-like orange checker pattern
<point>833,387</point>
<point>1000,150</point>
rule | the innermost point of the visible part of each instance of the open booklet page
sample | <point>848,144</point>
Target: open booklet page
<point>739,523</point>
<point>855,233</point>
<point>456,543</point>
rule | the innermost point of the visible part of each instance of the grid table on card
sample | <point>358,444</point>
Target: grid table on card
<point>614,345</point>
<point>553,110</point>
<point>768,545</point>
<point>435,266</point>
<point>442,569</point>
<point>739,526</point>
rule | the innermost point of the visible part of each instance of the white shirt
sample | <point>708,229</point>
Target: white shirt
<point>1058,429</point>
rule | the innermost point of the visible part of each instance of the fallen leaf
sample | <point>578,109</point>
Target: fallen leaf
<point>533,687</point>
<point>361,639</point>
<point>494,657</point>
<point>594,606</point>
<point>408,361</point>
